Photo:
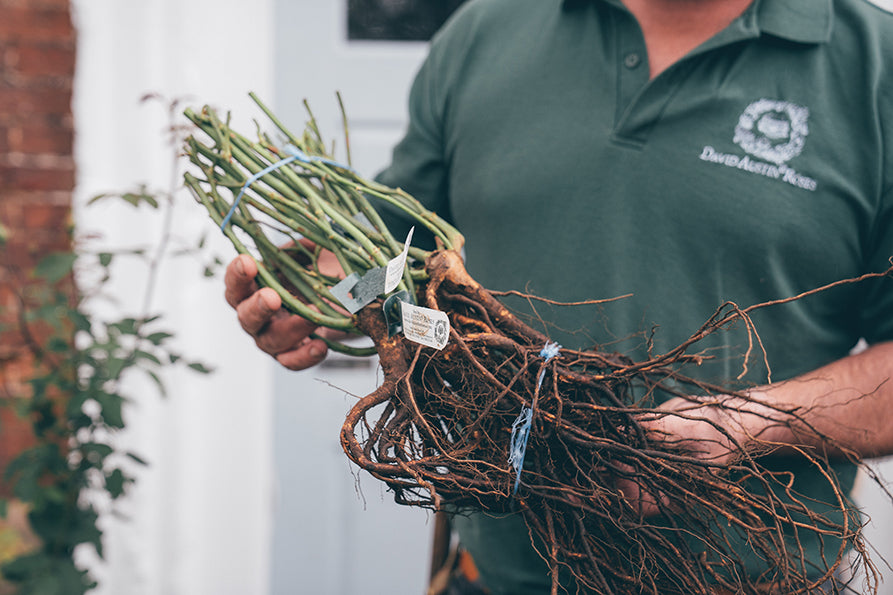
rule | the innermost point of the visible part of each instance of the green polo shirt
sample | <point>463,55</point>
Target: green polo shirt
<point>758,167</point>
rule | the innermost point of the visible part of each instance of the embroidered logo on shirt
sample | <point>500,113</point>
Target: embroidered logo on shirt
<point>771,132</point>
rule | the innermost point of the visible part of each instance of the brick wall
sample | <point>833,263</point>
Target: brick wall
<point>37,60</point>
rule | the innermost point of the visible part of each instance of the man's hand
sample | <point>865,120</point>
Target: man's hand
<point>713,429</point>
<point>284,336</point>
<point>841,409</point>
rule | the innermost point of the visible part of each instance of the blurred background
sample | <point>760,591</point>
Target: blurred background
<point>247,490</point>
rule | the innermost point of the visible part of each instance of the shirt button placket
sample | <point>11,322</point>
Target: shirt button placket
<point>633,78</point>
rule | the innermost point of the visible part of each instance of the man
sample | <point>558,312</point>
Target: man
<point>690,152</point>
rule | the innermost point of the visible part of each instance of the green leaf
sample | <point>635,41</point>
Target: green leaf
<point>115,366</point>
<point>105,258</point>
<point>115,482</point>
<point>39,386</point>
<point>46,418</point>
<point>96,452</point>
<point>140,196</point>
<point>158,382</point>
<point>137,198</point>
<point>80,420</point>
<point>33,572</point>
<point>74,405</point>
<point>55,495</point>
<point>81,321</point>
<point>136,458</point>
<point>158,338</point>
<point>200,368</point>
<point>127,326</point>
<point>58,345</point>
<point>26,488</point>
<point>112,406</point>
<point>30,464</point>
<point>61,527</point>
<point>84,529</point>
<point>3,508</point>
<point>41,573</point>
<point>140,354</point>
<point>55,266</point>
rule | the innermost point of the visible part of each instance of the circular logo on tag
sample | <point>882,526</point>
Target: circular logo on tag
<point>773,130</point>
<point>440,332</point>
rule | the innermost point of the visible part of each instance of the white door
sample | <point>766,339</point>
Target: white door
<point>337,531</point>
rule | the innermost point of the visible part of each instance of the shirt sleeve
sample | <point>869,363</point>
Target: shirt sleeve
<point>419,164</point>
<point>877,311</point>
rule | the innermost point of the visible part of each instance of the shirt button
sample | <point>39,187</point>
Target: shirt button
<point>631,60</point>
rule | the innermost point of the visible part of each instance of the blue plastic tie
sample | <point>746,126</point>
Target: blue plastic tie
<point>521,426</point>
<point>518,448</point>
<point>549,351</point>
<point>295,154</point>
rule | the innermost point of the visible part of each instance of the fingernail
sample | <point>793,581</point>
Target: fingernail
<point>240,268</point>
<point>264,302</point>
<point>316,351</point>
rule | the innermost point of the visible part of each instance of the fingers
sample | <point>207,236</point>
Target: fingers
<point>276,332</point>
<point>642,501</point>
<point>281,332</point>
<point>306,355</point>
<point>284,336</point>
<point>239,279</point>
<point>256,312</point>
<point>707,430</point>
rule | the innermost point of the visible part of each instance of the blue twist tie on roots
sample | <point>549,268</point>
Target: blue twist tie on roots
<point>295,154</point>
<point>521,426</point>
<point>518,448</point>
<point>549,351</point>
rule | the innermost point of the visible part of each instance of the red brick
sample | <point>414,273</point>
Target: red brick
<point>43,59</point>
<point>7,298</point>
<point>15,200</point>
<point>37,61</point>
<point>38,224</point>
<point>40,137</point>
<point>6,178</point>
<point>48,217</point>
<point>35,3</point>
<point>36,99</point>
<point>16,256</point>
<point>36,23</point>
<point>36,178</point>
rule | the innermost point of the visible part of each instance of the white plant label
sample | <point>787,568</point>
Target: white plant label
<point>426,326</point>
<point>395,266</point>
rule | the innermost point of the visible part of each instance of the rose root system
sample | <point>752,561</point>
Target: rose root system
<point>438,431</point>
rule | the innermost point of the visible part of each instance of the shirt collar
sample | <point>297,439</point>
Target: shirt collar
<point>804,21</point>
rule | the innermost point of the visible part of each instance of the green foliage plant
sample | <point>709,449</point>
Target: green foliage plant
<point>74,402</point>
